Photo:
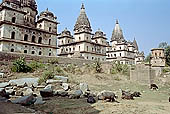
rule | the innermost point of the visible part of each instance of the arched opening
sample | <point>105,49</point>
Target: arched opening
<point>25,51</point>
<point>40,40</point>
<point>25,37</point>
<point>12,50</point>
<point>33,52</point>
<point>49,42</point>
<point>13,35</point>
<point>40,53</point>
<point>49,29</point>
<point>13,19</point>
<point>49,54</point>
<point>33,39</point>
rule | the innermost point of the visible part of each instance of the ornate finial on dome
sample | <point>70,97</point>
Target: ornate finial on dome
<point>47,9</point>
<point>82,6</point>
<point>98,29</point>
<point>117,22</point>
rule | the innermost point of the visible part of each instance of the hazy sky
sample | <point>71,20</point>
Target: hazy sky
<point>146,20</point>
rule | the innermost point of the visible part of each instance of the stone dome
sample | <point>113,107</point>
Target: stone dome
<point>99,33</point>
<point>47,13</point>
<point>24,3</point>
<point>66,32</point>
<point>12,1</point>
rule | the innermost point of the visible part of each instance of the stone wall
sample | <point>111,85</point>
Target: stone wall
<point>9,57</point>
<point>142,73</point>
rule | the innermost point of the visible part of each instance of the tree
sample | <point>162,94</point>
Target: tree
<point>167,55</point>
<point>147,59</point>
<point>163,45</point>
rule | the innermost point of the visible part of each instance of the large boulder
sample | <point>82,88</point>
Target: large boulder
<point>3,85</point>
<point>62,78</point>
<point>25,100</point>
<point>23,81</point>
<point>106,95</point>
<point>84,87</point>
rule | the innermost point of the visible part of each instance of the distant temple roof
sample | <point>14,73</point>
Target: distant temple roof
<point>135,44</point>
<point>117,32</point>
<point>24,3</point>
<point>82,23</point>
<point>47,13</point>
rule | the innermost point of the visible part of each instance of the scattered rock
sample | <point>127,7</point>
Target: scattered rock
<point>3,85</point>
<point>35,84</point>
<point>39,101</point>
<point>61,93</point>
<point>2,92</point>
<point>50,86</point>
<point>76,94</point>
<point>28,92</point>
<point>28,81</point>
<point>84,87</point>
<point>10,87</point>
<point>91,99</point>
<point>65,86</point>
<point>62,78</point>
<point>3,99</point>
<point>19,93</point>
<point>21,85</point>
<point>46,93</point>
<point>51,81</point>
<point>10,92</point>
<point>25,100</point>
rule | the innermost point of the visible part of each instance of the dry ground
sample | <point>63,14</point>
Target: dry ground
<point>151,102</point>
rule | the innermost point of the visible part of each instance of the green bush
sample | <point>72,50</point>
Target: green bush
<point>71,68</point>
<point>20,65</point>
<point>35,65</point>
<point>58,70</point>
<point>53,61</point>
<point>45,76</point>
<point>98,67</point>
<point>120,68</point>
<point>165,70</point>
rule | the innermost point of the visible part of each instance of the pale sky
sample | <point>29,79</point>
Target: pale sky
<point>146,20</point>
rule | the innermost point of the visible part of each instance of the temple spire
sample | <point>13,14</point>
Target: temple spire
<point>82,23</point>
<point>135,44</point>
<point>117,32</point>
<point>82,6</point>
<point>117,22</point>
